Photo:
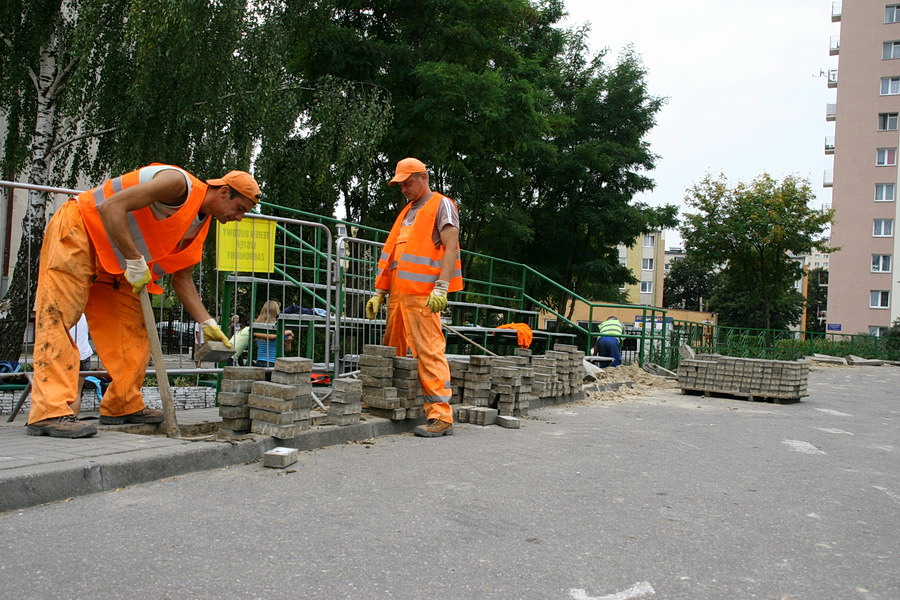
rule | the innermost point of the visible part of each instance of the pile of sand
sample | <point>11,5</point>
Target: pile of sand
<point>642,385</point>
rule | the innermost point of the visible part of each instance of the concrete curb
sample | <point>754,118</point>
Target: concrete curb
<point>40,484</point>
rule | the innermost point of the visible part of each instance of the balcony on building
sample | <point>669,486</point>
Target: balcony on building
<point>832,78</point>
<point>829,144</point>
<point>835,11</point>
<point>828,178</point>
<point>830,111</point>
<point>834,45</point>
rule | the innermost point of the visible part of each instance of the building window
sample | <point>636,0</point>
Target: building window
<point>877,331</point>
<point>623,262</point>
<point>881,263</point>
<point>646,287</point>
<point>892,13</point>
<point>883,227</point>
<point>879,299</point>
<point>887,121</point>
<point>886,157</point>
<point>884,192</point>
<point>646,264</point>
<point>891,50</point>
<point>890,86</point>
<point>649,241</point>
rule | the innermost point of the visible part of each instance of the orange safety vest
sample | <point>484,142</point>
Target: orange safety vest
<point>420,264</point>
<point>157,240</point>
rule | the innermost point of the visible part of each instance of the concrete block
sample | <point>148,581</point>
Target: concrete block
<point>270,404</point>
<point>212,351</point>
<point>509,422</point>
<point>383,403</point>
<point>346,385</point>
<point>280,457</point>
<point>368,380</point>
<point>342,419</point>
<point>240,425</point>
<point>286,418</point>
<point>376,350</point>
<point>378,362</point>
<point>373,371</point>
<point>241,386</point>
<point>386,393</point>
<point>275,390</point>
<point>344,409</point>
<point>254,373</point>
<point>394,414</point>
<point>277,431</point>
<point>232,398</point>
<point>295,379</point>
<point>234,412</point>
<point>345,398</point>
<point>293,364</point>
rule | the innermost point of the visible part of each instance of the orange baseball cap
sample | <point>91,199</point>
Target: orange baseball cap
<point>405,168</point>
<point>240,181</point>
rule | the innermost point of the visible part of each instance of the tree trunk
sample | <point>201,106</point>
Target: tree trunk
<point>16,306</point>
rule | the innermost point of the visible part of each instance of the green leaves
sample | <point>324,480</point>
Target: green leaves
<point>751,231</point>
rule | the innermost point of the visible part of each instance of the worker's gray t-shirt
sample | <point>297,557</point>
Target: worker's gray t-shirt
<point>162,210</point>
<point>447,214</point>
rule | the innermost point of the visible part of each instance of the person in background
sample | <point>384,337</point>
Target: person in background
<point>81,335</point>
<point>608,343</point>
<point>419,264</point>
<point>240,341</point>
<point>265,342</point>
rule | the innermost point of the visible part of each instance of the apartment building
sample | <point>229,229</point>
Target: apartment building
<point>645,259</point>
<point>864,291</point>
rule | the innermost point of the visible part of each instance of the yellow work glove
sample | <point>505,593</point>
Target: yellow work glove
<point>211,331</point>
<point>437,299</point>
<point>137,273</point>
<point>374,304</point>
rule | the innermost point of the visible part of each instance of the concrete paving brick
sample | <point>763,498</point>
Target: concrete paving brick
<point>270,404</point>
<point>394,414</point>
<point>232,398</point>
<point>274,390</point>
<point>234,412</point>
<point>376,350</point>
<point>367,362</point>
<point>236,424</point>
<point>344,409</point>
<point>295,379</point>
<point>276,418</point>
<point>346,385</point>
<point>276,431</point>
<point>293,364</point>
<point>254,373</point>
<point>342,420</point>
<point>509,422</point>
<point>280,457</point>
<point>243,386</point>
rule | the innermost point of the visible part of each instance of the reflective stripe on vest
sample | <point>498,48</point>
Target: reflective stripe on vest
<point>611,329</point>
<point>419,266</point>
<point>157,240</point>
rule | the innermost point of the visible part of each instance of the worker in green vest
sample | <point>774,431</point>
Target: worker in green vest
<point>608,343</point>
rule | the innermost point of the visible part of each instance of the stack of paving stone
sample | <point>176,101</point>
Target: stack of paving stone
<point>281,407</point>
<point>477,381</point>
<point>753,378</point>
<point>409,390</point>
<point>457,380</point>
<point>511,381</point>
<point>544,382</point>
<point>376,366</point>
<point>237,383</point>
<point>569,369</point>
<point>562,369</point>
<point>346,402</point>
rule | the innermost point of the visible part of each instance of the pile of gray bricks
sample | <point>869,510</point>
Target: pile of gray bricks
<point>281,407</point>
<point>457,380</point>
<point>237,383</point>
<point>512,384</point>
<point>376,371</point>
<point>477,415</point>
<point>477,381</point>
<point>544,382</point>
<point>753,378</point>
<point>569,369</point>
<point>409,390</point>
<point>346,402</point>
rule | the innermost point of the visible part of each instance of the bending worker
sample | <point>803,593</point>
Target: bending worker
<point>608,343</point>
<point>100,249</point>
<point>419,264</point>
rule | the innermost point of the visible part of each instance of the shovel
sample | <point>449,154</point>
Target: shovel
<point>165,393</point>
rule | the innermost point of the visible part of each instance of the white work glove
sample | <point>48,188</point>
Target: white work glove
<point>137,273</point>
<point>437,299</point>
<point>211,331</point>
<point>374,304</point>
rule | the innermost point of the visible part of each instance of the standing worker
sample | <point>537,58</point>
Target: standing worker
<point>100,249</point>
<point>419,264</point>
<point>608,343</point>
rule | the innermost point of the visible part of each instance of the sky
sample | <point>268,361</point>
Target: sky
<point>742,82</point>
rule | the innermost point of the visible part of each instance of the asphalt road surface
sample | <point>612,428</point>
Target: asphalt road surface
<point>657,495</point>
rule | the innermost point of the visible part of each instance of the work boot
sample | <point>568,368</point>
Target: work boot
<point>145,415</point>
<point>65,427</point>
<point>434,428</point>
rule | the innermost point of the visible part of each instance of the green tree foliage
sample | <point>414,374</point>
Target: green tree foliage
<point>751,230</point>
<point>816,299</point>
<point>689,284</point>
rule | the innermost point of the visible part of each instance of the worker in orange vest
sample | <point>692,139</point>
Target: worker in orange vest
<point>99,251</point>
<point>419,265</point>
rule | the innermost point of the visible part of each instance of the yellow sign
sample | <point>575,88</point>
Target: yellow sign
<point>247,246</point>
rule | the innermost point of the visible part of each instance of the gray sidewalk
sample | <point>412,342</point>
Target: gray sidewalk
<point>39,469</point>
